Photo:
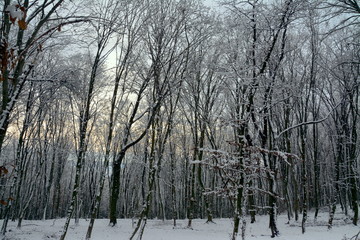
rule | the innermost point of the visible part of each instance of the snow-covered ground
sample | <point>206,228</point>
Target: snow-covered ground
<point>159,230</point>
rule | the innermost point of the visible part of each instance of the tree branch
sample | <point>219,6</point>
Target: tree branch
<point>307,123</point>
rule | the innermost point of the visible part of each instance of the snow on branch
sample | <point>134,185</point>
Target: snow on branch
<point>307,123</point>
<point>282,155</point>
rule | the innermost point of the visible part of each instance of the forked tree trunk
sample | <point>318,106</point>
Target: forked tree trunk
<point>83,132</point>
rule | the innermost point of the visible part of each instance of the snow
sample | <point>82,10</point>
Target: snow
<point>163,230</point>
<point>14,11</point>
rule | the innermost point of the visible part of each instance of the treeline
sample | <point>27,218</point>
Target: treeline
<point>171,110</point>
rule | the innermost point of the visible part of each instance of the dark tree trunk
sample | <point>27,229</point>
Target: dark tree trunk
<point>115,189</point>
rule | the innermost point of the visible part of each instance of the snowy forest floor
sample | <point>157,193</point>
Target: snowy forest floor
<point>163,230</point>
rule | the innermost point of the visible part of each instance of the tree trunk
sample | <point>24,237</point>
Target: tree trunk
<point>304,179</point>
<point>173,182</point>
<point>115,189</point>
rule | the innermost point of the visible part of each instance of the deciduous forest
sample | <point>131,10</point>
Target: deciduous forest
<point>177,109</point>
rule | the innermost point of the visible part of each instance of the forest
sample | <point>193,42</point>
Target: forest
<point>179,109</point>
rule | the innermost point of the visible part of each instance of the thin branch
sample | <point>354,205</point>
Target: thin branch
<point>307,123</point>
